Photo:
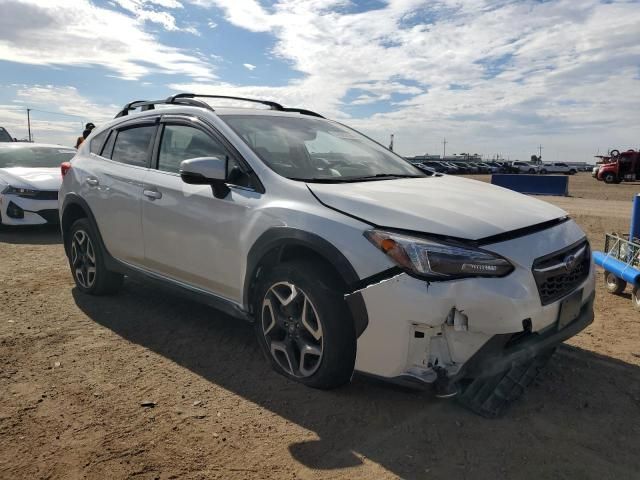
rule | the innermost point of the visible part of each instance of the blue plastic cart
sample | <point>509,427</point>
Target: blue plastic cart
<point>621,259</point>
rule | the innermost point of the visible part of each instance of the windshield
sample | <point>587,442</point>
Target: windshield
<point>34,156</point>
<point>4,136</point>
<point>316,150</point>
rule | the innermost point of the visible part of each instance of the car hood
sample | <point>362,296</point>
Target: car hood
<point>442,205</point>
<point>32,178</point>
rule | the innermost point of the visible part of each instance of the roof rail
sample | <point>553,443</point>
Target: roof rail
<point>190,99</point>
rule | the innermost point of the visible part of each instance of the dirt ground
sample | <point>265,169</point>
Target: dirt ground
<point>75,370</point>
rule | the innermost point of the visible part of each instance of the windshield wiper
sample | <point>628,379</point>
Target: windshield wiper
<point>379,176</point>
<point>390,175</point>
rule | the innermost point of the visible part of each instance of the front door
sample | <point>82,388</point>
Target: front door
<point>191,236</point>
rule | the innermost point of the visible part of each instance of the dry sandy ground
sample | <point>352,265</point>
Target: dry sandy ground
<point>74,371</point>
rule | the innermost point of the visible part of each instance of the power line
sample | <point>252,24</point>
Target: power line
<point>55,113</point>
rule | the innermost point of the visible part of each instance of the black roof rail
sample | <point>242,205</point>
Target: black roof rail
<point>190,99</point>
<point>133,105</point>
<point>272,105</point>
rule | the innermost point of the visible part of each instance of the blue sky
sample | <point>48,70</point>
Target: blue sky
<point>492,76</point>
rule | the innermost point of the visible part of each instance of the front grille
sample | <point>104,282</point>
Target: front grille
<point>43,195</point>
<point>51,215</point>
<point>554,278</point>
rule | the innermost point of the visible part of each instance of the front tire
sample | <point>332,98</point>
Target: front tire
<point>613,284</point>
<point>609,178</point>
<point>86,260</point>
<point>304,326</point>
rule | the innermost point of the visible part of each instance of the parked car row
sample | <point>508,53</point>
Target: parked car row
<point>454,168</point>
<point>461,168</point>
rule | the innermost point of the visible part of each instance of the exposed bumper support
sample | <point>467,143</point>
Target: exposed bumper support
<point>495,356</point>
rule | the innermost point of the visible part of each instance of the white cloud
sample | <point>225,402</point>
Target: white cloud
<point>58,113</point>
<point>557,72</point>
<point>248,66</point>
<point>77,33</point>
<point>146,11</point>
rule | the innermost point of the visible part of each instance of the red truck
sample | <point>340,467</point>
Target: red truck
<point>621,166</point>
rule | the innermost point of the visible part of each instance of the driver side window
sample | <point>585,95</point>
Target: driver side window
<point>182,142</point>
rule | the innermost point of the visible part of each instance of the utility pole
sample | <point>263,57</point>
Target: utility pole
<point>391,143</point>
<point>29,122</point>
<point>540,153</point>
<point>444,148</point>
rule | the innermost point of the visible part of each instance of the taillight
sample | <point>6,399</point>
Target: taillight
<point>65,167</point>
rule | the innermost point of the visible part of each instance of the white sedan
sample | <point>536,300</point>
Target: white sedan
<point>29,182</point>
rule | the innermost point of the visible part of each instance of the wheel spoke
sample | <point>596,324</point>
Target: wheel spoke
<point>91,254</point>
<point>284,300</point>
<point>267,307</point>
<point>284,349</point>
<point>308,349</point>
<point>74,255</point>
<point>310,319</point>
<point>80,277</point>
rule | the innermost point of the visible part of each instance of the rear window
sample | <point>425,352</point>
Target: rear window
<point>132,145</point>
<point>35,157</point>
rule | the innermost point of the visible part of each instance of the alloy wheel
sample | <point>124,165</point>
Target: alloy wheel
<point>83,259</point>
<point>292,329</point>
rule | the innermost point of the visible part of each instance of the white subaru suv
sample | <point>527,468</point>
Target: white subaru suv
<point>345,256</point>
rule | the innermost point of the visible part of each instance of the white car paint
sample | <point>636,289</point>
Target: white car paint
<point>452,206</point>
<point>557,167</point>
<point>45,180</point>
<point>524,167</point>
<point>188,236</point>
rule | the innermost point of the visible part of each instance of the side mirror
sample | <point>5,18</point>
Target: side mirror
<point>206,171</point>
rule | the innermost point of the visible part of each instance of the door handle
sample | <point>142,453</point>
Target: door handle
<point>152,194</point>
<point>93,181</point>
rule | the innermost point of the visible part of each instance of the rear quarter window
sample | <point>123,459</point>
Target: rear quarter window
<point>97,142</point>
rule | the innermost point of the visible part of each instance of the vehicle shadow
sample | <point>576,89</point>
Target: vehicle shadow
<point>31,235</point>
<point>584,407</point>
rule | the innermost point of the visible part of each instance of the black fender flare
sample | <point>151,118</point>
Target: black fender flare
<point>71,199</point>
<point>277,239</point>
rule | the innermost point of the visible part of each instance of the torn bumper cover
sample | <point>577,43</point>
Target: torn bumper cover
<point>420,332</point>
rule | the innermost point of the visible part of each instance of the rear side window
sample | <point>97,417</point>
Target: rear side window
<point>97,142</point>
<point>132,145</point>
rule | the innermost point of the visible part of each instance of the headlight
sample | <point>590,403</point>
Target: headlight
<point>438,261</point>
<point>21,192</point>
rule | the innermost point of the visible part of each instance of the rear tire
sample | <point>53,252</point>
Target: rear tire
<point>613,284</point>
<point>299,309</point>
<point>543,172</point>
<point>86,260</point>
<point>490,397</point>
<point>635,297</point>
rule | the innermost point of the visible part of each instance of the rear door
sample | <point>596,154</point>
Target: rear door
<point>191,236</point>
<point>114,188</point>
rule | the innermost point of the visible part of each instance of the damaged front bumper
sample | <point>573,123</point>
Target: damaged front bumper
<point>441,332</point>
